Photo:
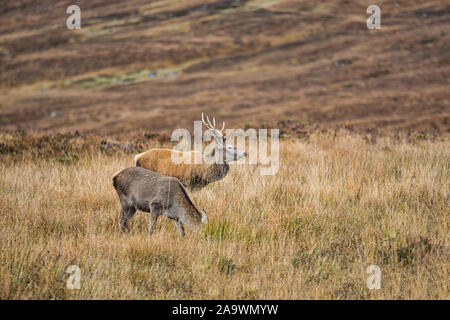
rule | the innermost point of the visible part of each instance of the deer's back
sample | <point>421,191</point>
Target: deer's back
<point>160,160</point>
<point>141,182</point>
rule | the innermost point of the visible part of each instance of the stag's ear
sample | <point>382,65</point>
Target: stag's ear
<point>223,135</point>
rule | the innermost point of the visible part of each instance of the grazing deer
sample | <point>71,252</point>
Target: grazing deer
<point>194,176</point>
<point>148,191</point>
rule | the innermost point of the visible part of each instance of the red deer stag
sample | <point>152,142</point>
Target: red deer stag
<point>194,176</point>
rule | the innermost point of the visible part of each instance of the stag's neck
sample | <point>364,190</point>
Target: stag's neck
<point>217,171</point>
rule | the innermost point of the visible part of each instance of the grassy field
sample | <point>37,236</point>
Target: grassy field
<point>339,203</point>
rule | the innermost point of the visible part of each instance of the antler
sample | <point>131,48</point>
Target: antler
<point>212,126</point>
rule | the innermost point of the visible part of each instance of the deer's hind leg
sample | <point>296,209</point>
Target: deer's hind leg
<point>126,214</point>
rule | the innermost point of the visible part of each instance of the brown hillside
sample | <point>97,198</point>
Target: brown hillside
<point>155,65</point>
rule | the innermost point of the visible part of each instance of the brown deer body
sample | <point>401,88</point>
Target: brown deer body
<point>194,176</point>
<point>148,191</point>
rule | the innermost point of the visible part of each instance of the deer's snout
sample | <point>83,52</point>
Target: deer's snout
<point>242,155</point>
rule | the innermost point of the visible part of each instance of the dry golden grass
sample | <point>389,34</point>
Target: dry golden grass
<point>337,205</point>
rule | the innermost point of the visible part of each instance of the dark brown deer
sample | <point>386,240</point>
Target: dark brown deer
<point>148,191</point>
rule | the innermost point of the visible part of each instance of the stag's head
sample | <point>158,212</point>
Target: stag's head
<point>227,151</point>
